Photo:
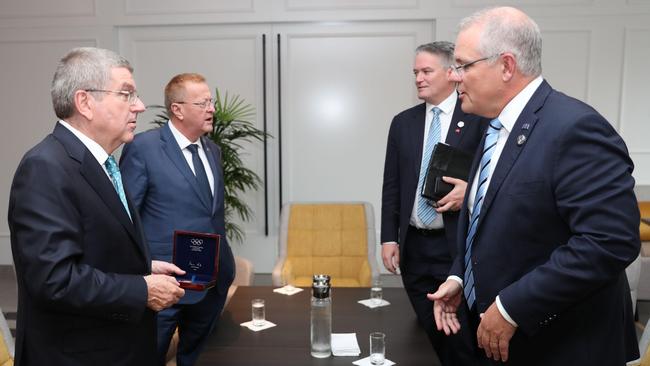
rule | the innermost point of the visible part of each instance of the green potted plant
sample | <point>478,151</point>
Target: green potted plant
<point>231,128</point>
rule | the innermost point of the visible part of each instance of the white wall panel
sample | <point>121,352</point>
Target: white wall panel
<point>27,108</point>
<point>186,7</point>
<point>350,4</point>
<point>635,99</point>
<point>343,85</point>
<point>39,8</point>
<point>566,61</point>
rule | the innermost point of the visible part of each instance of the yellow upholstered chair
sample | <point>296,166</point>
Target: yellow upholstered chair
<point>6,343</point>
<point>337,239</point>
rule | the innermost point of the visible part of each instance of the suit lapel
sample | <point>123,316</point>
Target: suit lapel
<point>512,148</point>
<point>99,181</point>
<point>456,128</point>
<point>174,153</point>
<point>416,133</point>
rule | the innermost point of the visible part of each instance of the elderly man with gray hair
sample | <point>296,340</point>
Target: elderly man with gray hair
<point>86,292</point>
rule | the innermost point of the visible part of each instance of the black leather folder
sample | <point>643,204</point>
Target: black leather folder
<point>446,161</point>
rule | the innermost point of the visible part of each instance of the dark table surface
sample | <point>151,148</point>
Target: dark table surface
<point>288,342</point>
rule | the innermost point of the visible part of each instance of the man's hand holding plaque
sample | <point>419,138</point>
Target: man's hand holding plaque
<point>198,255</point>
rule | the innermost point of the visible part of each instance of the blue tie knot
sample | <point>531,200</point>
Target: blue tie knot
<point>193,148</point>
<point>495,126</point>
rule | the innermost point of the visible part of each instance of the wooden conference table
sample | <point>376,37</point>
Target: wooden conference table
<point>288,342</point>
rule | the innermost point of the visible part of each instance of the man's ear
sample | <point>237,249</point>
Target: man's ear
<point>176,111</point>
<point>84,104</point>
<point>509,66</point>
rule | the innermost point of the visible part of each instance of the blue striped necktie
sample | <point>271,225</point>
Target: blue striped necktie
<point>199,172</point>
<point>425,211</point>
<point>116,178</point>
<point>484,174</point>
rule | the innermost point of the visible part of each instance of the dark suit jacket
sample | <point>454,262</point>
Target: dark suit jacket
<point>167,195</point>
<point>402,171</point>
<point>558,226</point>
<point>79,262</point>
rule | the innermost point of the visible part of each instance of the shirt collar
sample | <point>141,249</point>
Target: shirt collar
<point>447,106</point>
<point>98,152</point>
<point>183,142</point>
<point>513,109</point>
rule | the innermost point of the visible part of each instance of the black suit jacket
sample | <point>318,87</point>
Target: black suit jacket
<point>79,262</point>
<point>558,225</point>
<point>402,171</point>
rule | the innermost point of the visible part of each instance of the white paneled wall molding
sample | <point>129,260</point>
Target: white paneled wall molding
<point>325,77</point>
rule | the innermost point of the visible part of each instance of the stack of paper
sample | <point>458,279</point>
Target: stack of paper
<point>345,344</point>
<point>287,290</point>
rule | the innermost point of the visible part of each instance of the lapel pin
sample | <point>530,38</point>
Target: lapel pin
<point>460,124</point>
<point>521,139</point>
<point>525,126</point>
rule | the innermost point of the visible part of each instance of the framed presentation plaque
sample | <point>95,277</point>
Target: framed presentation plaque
<point>198,255</point>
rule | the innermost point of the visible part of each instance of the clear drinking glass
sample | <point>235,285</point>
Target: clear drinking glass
<point>377,348</point>
<point>376,292</point>
<point>257,309</point>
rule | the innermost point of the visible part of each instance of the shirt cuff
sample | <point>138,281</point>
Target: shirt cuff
<point>389,243</point>
<point>457,279</point>
<point>504,313</point>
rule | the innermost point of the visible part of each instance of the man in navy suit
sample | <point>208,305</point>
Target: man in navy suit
<point>423,248</point>
<point>550,222</point>
<point>175,177</point>
<point>86,295</point>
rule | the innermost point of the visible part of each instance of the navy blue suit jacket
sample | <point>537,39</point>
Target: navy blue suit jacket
<point>79,260</point>
<point>166,193</point>
<point>557,228</point>
<point>402,171</point>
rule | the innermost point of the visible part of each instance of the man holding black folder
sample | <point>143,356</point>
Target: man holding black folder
<point>418,235</point>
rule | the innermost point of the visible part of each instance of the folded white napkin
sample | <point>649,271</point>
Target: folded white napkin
<point>369,303</point>
<point>288,290</point>
<point>345,344</point>
<point>366,362</point>
<point>256,328</point>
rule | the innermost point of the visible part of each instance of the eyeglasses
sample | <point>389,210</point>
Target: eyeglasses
<point>130,96</point>
<point>204,104</point>
<point>460,69</point>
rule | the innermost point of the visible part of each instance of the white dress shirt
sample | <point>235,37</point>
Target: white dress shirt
<point>507,117</point>
<point>183,143</point>
<point>95,149</point>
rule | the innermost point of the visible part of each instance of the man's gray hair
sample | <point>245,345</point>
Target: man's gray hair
<point>508,30</point>
<point>443,49</point>
<point>82,68</point>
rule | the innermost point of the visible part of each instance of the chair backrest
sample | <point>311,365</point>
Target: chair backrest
<point>335,238</point>
<point>6,343</point>
<point>644,229</point>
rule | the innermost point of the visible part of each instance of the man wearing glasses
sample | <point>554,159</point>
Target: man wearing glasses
<point>86,295</point>
<point>550,220</point>
<point>175,178</point>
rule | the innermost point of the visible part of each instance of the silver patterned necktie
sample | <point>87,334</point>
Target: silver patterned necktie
<point>426,212</point>
<point>488,149</point>
<point>116,178</point>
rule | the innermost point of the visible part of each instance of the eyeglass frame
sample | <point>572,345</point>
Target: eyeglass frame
<point>460,69</point>
<point>131,95</point>
<point>204,104</point>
